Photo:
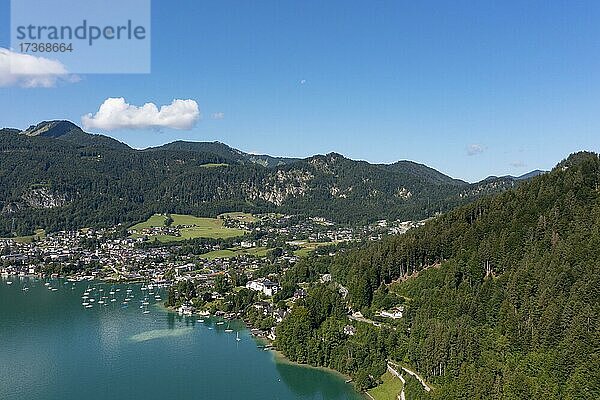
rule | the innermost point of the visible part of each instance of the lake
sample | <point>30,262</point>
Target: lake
<point>53,347</point>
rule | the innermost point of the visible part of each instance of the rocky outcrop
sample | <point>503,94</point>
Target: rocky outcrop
<point>277,188</point>
<point>44,198</point>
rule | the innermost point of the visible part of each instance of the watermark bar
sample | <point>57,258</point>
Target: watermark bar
<point>83,36</point>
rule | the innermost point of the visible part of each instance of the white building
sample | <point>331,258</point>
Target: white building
<point>395,313</point>
<point>263,285</point>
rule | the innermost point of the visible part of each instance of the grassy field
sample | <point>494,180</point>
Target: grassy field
<point>308,248</point>
<point>155,220</point>
<point>236,251</point>
<point>196,227</point>
<point>213,165</point>
<point>38,235</point>
<point>388,390</point>
<point>240,216</point>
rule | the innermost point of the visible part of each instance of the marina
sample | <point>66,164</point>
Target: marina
<point>64,344</point>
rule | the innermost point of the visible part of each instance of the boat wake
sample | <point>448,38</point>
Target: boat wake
<point>159,334</point>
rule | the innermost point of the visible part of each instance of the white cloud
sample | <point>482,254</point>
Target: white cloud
<point>303,81</point>
<point>28,71</point>
<point>115,113</point>
<point>474,149</point>
<point>218,115</point>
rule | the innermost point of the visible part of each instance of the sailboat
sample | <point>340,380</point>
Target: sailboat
<point>228,328</point>
<point>237,336</point>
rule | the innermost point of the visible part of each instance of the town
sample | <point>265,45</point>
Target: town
<point>203,273</point>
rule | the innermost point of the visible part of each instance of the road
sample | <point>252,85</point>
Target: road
<point>395,373</point>
<point>408,371</point>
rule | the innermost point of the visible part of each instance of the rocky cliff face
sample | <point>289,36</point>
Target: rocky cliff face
<point>44,198</point>
<point>277,188</point>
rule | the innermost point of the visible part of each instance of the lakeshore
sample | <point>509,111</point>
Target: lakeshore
<point>266,344</point>
<point>58,349</point>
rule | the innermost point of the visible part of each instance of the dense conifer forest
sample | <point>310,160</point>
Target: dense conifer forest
<point>501,297</point>
<point>55,176</point>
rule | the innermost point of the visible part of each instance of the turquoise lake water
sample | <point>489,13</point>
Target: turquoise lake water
<point>53,347</point>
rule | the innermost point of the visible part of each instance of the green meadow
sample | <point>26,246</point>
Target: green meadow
<point>214,165</point>
<point>236,251</point>
<point>191,228</point>
<point>239,216</point>
<point>38,235</point>
<point>307,248</point>
<point>388,390</point>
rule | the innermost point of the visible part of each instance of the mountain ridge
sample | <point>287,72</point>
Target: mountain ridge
<point>71,132</point>
<point>56,173</point>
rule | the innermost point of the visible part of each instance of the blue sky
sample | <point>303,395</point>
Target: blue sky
<point>472,88</point>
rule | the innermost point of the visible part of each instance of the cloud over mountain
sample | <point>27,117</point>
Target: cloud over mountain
<point>116,113</point>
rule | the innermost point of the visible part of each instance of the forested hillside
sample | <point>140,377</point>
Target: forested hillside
<point>501,297</point>
<point>55,176</point>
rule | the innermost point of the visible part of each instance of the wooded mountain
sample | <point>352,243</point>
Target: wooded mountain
<point>56,176</point>
<point>501,296</point>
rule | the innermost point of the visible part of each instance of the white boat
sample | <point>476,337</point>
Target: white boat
<point>237,336</point>
<point>8,282</point>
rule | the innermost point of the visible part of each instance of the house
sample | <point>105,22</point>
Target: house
<point>264,306</point>
<point>394,313</point>
<point>279,315</point>
<point>186,309</point>
<point>299,294</point>
<point>263,285</point>
<point>349,330</point>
